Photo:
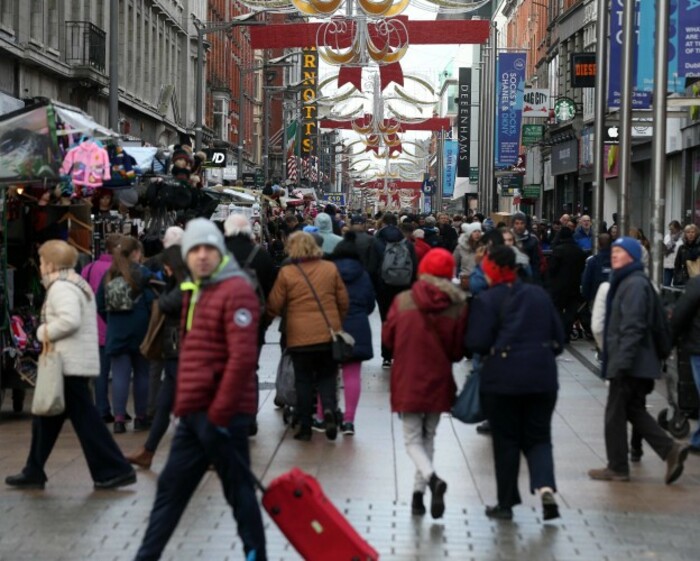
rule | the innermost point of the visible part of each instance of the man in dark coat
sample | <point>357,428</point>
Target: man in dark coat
<point>565,269</point>
<point>448,235</point>
<point>597,269</point>
<point>631,363</point>
<point>363,241</point>
<point>390,233</point>
<point>528,243</point>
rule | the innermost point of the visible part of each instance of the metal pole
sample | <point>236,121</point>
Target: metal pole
<point>482,103</point>
<point>198,80</point>
<point>658,145</point>
<point>241,121</point>
<point>114,65</point>
<point>601,86</point>
<point>628,41</point>
<point>266,135</point>
<point>440,171</point>
<point>491,186</point>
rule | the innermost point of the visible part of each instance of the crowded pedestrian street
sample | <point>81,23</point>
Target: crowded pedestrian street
<point>369,477</point>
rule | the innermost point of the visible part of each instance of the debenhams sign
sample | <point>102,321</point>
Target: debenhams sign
<point>464,121</point>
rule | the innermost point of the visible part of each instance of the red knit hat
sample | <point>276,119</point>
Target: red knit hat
<point>437,262</point>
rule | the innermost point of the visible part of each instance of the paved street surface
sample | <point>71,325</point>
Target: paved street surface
<point>369,477</point>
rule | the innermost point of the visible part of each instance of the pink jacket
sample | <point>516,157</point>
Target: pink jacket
<point>93,274</point>
<point>88,165</point>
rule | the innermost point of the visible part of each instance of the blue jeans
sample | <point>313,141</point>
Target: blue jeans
<point>668,277</point>
<point>695,365</point>
<point>102,385</point>
<point>196,445</point>
<point>122,366</point>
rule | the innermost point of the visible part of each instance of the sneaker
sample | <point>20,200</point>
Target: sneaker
<point>550,509</point>
<point>142,458</point>
<point>318,426</point>
<point>386,363</point>
<point>438,488</point>
<point>606,474</point>
<point>674,462</point>
<point>499,512</point>
<point>347,428</point>
<point>417,506</point>
<point>21,481</point>
<point>331,425</point>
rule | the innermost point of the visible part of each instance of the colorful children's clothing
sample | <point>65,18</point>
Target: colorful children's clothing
<point>87,164</point>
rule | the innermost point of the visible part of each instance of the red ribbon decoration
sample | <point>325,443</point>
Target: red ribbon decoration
<point>387,73</point>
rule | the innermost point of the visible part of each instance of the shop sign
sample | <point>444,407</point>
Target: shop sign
<point>536,103</point>
<point>510,184</point>
<point>565,157</point>
<point>248,180</point>
<point>310,107</point>
<point>464,121</point>
<point>532,134</point>
<point>583,70</point>
<point>564,109</point>
<point>260,179</point>
<point>473,175</point>
<point>216,158</point>
<point>510,72</point>
<point>531,191</point>
<point>337,199</point>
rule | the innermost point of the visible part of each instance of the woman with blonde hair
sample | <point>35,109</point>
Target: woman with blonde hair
<point>311,293</point>
<point>69,325</point>
<point>124,301</point>
<point>687,254</point>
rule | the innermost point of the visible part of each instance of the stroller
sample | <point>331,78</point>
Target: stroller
<point>682,394</point>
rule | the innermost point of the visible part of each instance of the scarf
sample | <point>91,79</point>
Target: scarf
<point>615,280</point>
<point>68,275</point>
<point>496,274</point>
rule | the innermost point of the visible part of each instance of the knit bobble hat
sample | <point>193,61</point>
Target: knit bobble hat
<point>437,262</point>
<point>201,231</point>
<point>469,228</point>
<point>173,236</point>
<point>631,246</point>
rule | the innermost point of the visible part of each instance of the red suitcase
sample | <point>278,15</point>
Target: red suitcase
<point>317,530</point>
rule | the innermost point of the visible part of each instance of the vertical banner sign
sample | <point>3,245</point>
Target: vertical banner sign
<point>640,99</point>
<point>679,21</point>
<point>464,121</point>
<point>510,77</point>
<point>291,149</point>
<point>688,33</point>
<point>450,169</point>
<point>309,70</point>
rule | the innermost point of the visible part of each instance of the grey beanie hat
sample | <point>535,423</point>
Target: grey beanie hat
<point>201,231</point>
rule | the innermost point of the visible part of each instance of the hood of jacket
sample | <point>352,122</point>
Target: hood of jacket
<point>390,234</point>
<point>324,223</point>
<point>434,294</point>
<point>350,269</point>
<point>69,275</point>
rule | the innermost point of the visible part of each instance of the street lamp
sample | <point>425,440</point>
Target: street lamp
<point>204,28</point>
<point>275,62</point>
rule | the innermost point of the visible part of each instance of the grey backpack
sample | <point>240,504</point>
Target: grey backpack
<point>119,296</point>
<point>397,265</point>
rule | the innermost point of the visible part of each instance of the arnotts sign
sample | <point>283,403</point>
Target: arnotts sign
<point>309,70</point>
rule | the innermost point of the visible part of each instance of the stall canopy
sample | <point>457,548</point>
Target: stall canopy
<point>29,150</point>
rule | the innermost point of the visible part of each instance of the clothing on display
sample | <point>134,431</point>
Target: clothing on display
<point>122,167</point>
<point>87,164</point>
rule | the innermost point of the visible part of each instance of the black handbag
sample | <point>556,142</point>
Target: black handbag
<point>342,343</point>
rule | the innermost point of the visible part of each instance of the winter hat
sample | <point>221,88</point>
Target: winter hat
<point>173,236</point>
<point>418,233</point>
<point>469,228</point>
<point>201,231</point>
<point>437,262</point>
<point>520,216</point>
<point>631,246</point>
<point>310,229</point>
<point>430,221</point>
<point>347,249</point>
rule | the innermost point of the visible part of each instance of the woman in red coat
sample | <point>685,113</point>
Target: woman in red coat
<point>425,328</point>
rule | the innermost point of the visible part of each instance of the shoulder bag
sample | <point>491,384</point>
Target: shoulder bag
<point>49,397</point>
<point>342,343</point>
<point>152,345</point>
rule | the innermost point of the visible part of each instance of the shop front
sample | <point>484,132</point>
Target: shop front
<point>565,161</point>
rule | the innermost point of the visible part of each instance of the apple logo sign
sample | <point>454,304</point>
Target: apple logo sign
<point>613,132</point>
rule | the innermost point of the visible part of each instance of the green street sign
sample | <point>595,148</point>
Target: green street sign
<point>532,134</point>
<point>473,175</point>
<point>259,179</point>
<point>531,191</point>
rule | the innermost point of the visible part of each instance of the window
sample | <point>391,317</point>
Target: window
<point>7,12</point>
<point>37,21</point>
<point>52,24</point>
<point>221,118</point>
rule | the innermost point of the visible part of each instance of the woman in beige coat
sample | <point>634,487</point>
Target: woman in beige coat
<point>307,333</point>
<point>69,324</point>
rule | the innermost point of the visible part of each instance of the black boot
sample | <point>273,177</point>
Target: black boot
<point>437,501</point>
<point>417,506</point>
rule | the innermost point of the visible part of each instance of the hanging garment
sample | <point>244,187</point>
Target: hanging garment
<point>87,164</point>
<point>122,168</point>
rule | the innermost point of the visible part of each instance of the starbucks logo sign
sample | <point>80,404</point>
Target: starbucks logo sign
<point>564,109</point>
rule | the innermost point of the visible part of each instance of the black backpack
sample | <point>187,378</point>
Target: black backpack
<point>660,326</point>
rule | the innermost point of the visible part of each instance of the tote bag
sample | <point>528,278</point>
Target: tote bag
<point>467,407</point>
<point>152,345</point>
<point>49,397</point>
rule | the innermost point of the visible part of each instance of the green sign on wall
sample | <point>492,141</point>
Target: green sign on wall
<point>532,134</point>
<point>531,191</point>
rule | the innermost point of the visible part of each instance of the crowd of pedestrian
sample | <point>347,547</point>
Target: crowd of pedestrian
<point>184,330</point>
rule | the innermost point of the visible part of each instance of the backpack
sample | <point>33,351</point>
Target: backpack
<point>119,296</point>
<point>397,265</point>
<point>660,327</point>
<point>250,271</point>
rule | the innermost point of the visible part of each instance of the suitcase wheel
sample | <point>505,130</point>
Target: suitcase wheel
<point>679,426</point>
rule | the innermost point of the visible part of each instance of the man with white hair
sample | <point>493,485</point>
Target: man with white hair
<point>255,260</point>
